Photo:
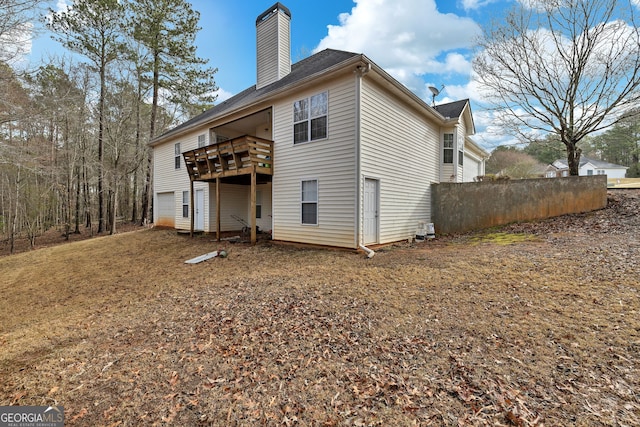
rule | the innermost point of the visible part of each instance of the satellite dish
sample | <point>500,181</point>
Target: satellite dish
<point>435,92</point>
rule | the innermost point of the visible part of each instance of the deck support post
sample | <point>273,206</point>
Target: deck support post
<point>218,208</point>
<point>193,208</point>
<point>253,205</point>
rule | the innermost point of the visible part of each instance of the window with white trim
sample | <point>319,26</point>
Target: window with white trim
<point>258,204</point>
<point>201,141</point>
<point>309,202</point>
<point>460,157</point>
<point>447,155</point>
<point>600,172</point>
<point>177,154</point>
<point>185,204</point>
<point>310,118</point>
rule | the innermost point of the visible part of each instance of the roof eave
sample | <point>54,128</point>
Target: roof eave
<point>321,75</point>
<point>402,88</point>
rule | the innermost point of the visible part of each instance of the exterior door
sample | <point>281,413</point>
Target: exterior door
<point>199,215</point>
<point>166,210</point>
<point>371,222</point>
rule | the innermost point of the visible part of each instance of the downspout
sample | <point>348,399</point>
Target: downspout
<point>361,71</point>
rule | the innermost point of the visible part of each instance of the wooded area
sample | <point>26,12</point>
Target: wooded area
<point>74,131</point>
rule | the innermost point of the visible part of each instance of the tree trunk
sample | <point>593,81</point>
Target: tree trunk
<point>101,147</point>
<point>146,195</point>
<point>573,158</point>
<point>77,218</point>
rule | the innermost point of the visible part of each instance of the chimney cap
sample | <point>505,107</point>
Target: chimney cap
<point>273,9</point>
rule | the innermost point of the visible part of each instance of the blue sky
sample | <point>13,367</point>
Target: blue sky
<point>420,42</point>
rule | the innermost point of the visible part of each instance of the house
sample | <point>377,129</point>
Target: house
<point>588,167</point>
<point>330,151</point>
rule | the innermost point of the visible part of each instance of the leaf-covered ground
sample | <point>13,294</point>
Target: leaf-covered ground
<point>531,324</point>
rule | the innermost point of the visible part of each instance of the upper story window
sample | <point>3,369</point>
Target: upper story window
<point>460,157</point>
<point>201,141</point>
<point>310,118</point>
<point>447,155</point>
<point>177,153</point>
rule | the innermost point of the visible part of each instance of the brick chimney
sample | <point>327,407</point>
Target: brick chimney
<point>273,33</point>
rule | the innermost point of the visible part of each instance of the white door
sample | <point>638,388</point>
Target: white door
<point>370,211</point>
<point>199,215</point>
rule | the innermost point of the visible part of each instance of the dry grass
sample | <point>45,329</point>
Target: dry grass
<point>542,330</point>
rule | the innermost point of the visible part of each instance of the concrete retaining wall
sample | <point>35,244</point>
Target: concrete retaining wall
<point>457,208</point>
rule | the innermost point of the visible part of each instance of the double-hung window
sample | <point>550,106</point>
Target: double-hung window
<point>177,155</point>
<point>258,204</point>
<point>310,118</point>
<point>201,141</point>
<point>447,155</point>
<point>309,198</point>
<point>185,204</point>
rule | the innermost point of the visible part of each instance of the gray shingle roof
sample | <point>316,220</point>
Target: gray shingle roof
<point>452,109</point>
<point>309,66</point>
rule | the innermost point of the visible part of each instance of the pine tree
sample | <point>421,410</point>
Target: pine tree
<point>168,29</point>
<point>94,29</point>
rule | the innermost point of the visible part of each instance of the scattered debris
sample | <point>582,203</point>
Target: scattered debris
<point>201,258</point>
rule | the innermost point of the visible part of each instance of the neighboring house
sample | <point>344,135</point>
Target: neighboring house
<point>331,151</point>
<point>587,167</point>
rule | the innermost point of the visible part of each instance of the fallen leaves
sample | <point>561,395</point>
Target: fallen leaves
<point>543,331</point>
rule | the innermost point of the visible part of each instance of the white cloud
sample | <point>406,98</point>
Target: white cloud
<point>223,95</point>
<point>409,39</point>
<point>477,4</point>
<point>62,5</point>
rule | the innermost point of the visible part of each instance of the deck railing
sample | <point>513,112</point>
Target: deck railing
<point>238,156</point>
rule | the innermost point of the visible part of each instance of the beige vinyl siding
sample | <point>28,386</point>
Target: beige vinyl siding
<point>330,161</point>
<point>447,170</point>
<point>400,147</point>
<point>273,57</point>
<point>236,200</point>
<point>459,146</point>
<point>284,46</point>
<point>168,179</point>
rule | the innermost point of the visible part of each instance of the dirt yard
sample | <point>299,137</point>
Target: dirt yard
<point>528,325</point>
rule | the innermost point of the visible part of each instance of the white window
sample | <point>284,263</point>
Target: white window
<point>310,118</point>
<point>447,155</point>
<point>460,158</point>
<point>185,204</point>
<point>201,141</point>
<point>601,172</point>
<point>258,203</point>
<point>177,155</point>
<point>589,172</point>
<point>309,199</point>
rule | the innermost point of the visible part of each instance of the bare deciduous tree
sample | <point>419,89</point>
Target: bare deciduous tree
<point>16,27</point>
<point>569,67</point>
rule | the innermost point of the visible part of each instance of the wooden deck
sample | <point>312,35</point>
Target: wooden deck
<point>245,156</point>
<point>239,156</point>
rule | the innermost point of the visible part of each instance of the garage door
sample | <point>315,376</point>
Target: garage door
<point>166,210</point>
